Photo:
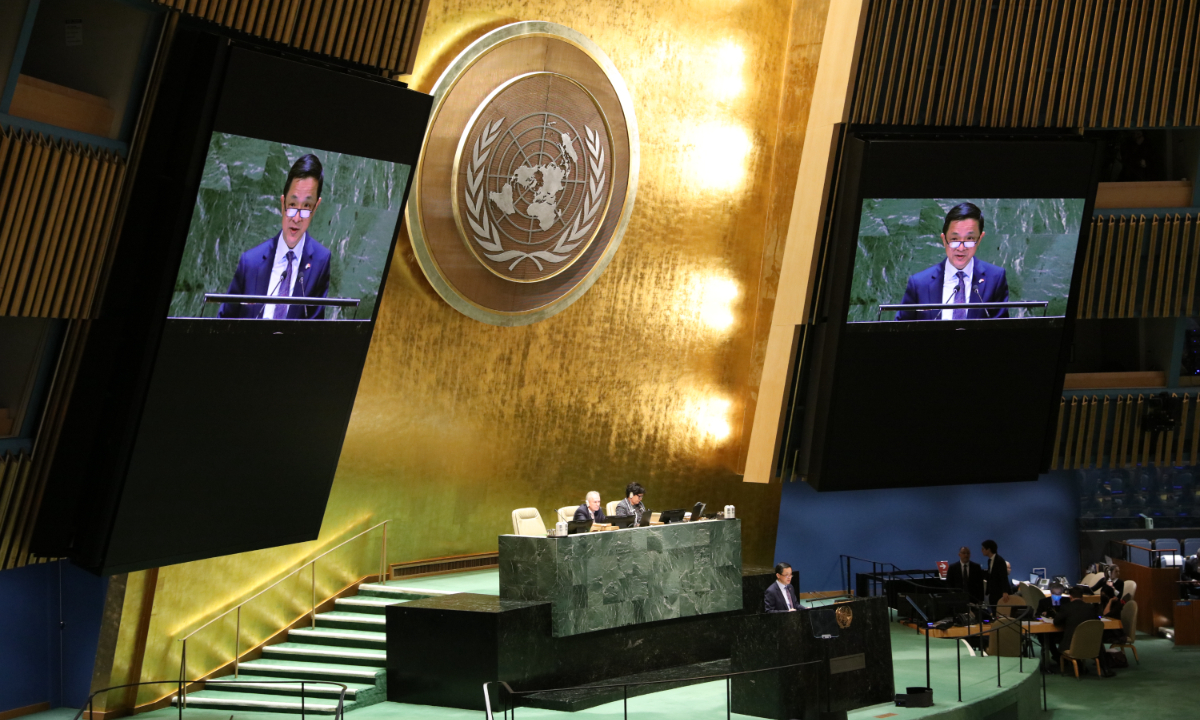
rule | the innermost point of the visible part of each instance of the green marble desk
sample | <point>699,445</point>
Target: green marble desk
<point>602,580</point>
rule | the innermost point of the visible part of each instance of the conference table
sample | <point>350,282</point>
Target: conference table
<point>1035,627</point>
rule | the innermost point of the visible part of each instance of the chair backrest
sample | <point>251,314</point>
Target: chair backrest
<point>611,507</point>
<point>1007,634</point>
<point>1128,590</point>
<point>528,521</point>
<point>1085,643</point>
<point>1091,579</point>
<point>1137,554</point>
<point>1009,607</point>
<point>1129,621</point>
<point>567,514</point>
<point>1032,595</point>
<point>1167,544</point>
<point>1191,546</point>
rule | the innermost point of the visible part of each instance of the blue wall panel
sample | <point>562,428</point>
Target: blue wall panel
<point>1034,524</point>
<point>50,618</point>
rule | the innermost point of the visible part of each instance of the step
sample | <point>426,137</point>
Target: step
<point>275,685</point>
<point>220,699</point>
<point>339,637</point>
<point>367,604</point>
<point>351,620</point>
<point>325,653</point>
<point>398,591</point>
<point>292,668</point>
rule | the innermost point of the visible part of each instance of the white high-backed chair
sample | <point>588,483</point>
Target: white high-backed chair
<point>528,521</point>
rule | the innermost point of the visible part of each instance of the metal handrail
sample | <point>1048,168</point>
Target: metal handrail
<point>237,650</point>
<point>341,709</point>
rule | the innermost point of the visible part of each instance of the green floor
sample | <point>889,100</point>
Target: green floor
<point>1161,687</point>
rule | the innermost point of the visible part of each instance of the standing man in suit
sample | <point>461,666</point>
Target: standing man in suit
<point>961,278</point>
<point>290,264</point>
<point>997,574</point>
<point>781,596</point>
<point>966,575</point>
<point>1071,615</point>
<point>590,509</point>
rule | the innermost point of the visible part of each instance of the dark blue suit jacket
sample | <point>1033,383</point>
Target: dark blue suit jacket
<point>988,284</point>
<point>773,601</point>
<point>253,277</point>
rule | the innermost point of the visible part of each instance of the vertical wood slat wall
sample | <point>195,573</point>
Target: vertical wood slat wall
<point>1141,267</point>
<point>23,476</point>
<point>382,34</point>
<point>1030,63</point>
<point>57,206</point>
<point>1096,431</point>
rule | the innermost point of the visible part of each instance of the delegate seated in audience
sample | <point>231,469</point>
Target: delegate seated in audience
<point>1048,606</point>
<point>632,504</point>
<point>781,596</point>
<point>1112,579</point>
<point>966,575</point>
<point>590,509</point>
<point>1072,615</point>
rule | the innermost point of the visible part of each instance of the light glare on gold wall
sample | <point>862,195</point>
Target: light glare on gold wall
<point>728,61</point>
<point>717,297</point>
<point>710,417</point>
<point>715,154</point>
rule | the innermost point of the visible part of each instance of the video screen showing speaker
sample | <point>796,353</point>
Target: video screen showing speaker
<point>936,345</point>
<point>996,257</point>
<point>263,211</point>
<point>278,220</point>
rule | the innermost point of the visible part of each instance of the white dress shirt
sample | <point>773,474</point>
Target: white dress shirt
<point>950,282</point>
<point>280,266</point>
<point>787,596</point>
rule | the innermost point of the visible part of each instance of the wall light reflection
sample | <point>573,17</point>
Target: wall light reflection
<point>711,417</point>
<point>716,299</point>
<point>728,61</point>
<point>715,155</point>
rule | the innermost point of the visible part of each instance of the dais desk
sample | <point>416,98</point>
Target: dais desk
<point>597,581</point>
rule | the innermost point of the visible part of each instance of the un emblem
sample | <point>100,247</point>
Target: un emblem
<point>533,177</point>
<point>528,174</point>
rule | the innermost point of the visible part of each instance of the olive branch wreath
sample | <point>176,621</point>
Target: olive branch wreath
<point>571,236</point>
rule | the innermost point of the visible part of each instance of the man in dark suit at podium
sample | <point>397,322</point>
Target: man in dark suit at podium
<point>961,278</point>
<point>290,264</point>
<point>781,596</point>
<point>966,575</point>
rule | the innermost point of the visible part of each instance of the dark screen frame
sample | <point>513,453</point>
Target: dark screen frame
<point>904,163</point>
<point>176,449</point>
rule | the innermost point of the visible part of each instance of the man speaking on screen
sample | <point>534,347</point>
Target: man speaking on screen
<point>961,278</point>
<point>291,264</point>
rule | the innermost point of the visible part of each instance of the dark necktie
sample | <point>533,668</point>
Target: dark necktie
<point>960,295</point>
<point>285,289</point>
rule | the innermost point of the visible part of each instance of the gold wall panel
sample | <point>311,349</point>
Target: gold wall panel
<point>646,378</point>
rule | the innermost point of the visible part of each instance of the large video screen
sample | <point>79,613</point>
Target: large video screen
<point>1007,257</point>
<point>279,220</point>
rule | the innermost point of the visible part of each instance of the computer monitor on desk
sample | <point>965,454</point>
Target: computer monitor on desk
<point>577,527</point>
<point>671,516</point>
<point>621,521</point>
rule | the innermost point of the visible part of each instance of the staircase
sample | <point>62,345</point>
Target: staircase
<point>348,645</point>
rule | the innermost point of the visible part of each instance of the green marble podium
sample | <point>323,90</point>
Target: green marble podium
<point>602,580</point>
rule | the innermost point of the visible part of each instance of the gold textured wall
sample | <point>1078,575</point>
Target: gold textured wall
<point>649,377</point>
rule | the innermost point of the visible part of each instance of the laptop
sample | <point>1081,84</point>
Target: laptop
<point>671,516</point>
<point>698,511</point>
<point>576,527</point>
<point>621,521</point>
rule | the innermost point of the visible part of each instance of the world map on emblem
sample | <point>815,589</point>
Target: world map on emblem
<point>534,178</point>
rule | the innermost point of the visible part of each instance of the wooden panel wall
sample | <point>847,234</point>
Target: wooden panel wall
<point>1030,63</point>
<point>1141,267</point>
<point>57,203</point>
<point>1106,431</point>
<point>382,34</point>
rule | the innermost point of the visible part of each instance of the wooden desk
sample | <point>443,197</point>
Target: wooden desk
<point>1036,627</point>
<point>1187,622</point>
<point>1157,591</point>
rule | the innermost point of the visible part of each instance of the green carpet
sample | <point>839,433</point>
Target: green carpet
<point>1160,687</point>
